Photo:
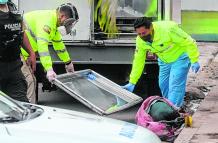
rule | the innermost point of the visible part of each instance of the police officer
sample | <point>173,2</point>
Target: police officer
<point>12,81</point>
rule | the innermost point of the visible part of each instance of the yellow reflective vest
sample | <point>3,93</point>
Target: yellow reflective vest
<point>169,43</point>
<point>41,28</point>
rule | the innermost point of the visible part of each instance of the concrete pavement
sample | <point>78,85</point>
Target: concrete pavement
<point>205,126</point>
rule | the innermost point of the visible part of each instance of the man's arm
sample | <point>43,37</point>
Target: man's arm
<point>62,52</point>
<point>42,40</point>
<point>60,48</point>
<point>32,57</point>
<point>139,61</point>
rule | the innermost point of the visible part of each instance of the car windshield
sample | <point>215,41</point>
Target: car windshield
<point>10,110</point>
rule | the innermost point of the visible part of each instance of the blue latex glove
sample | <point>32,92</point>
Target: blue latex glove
<point>91,76</point>
<point>195,67</point>
<point>130,87</point>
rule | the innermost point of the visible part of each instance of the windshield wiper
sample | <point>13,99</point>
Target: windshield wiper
<point>8,119</point>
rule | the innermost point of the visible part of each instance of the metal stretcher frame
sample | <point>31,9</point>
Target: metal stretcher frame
<point>101,83</point>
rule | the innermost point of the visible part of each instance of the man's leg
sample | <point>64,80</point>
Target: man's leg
<point>31,82</point>
<point>164,73</point>
<point>177,80</point>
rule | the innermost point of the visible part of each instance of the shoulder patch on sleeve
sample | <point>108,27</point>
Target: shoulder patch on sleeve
<point>47,29</point>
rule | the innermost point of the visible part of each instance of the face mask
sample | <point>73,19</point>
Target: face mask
<point>62,30</point>
<point>69,24</point>
<point>3,1</point>
<point>147,38</point>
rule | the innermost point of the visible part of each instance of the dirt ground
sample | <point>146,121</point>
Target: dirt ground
<point>198,85</point>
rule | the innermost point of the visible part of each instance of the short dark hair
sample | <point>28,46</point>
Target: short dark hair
<point>143,21</point>
<point>69,10</point>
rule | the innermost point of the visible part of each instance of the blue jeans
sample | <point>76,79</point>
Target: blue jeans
<point>172,79</point>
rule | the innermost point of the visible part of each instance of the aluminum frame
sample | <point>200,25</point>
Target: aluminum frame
<point>102,83</point>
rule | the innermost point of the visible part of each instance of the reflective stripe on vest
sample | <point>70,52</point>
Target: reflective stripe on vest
<point>43,54</point>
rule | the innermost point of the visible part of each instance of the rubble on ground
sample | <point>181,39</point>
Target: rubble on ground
<point>198,85</point>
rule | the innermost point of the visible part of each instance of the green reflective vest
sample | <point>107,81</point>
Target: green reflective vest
<point>41,28</point>
<point>169,43</point>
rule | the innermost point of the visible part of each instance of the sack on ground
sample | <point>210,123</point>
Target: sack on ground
<point>160,116</point>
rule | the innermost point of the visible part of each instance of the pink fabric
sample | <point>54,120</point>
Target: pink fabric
<point>145,120</point>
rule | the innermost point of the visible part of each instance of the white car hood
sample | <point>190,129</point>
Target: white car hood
<point>70,126</point>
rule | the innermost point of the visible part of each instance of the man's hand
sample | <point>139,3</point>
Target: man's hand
<point>51,75</point>
<point>69,67</point>
<point>195,67</point>
<point>130,87</point>
<point>31,61</point>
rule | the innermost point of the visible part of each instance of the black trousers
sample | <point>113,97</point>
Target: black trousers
<point>12,81</point>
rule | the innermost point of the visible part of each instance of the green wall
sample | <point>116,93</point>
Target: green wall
<point>202,25</point>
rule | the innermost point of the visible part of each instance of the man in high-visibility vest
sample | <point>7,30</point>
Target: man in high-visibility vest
<point>44,26</point>
<point>176,52</point>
